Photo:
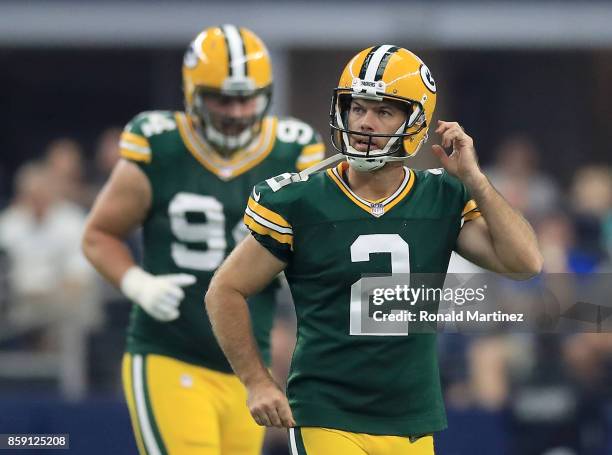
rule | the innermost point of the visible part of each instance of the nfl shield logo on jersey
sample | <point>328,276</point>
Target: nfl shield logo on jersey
<point>378,209</point>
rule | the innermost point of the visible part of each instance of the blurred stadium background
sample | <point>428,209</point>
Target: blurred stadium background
<point>530,81</point>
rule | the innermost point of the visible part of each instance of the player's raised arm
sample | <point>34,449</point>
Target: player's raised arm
<point>246,271</point>
<point>501,240</point>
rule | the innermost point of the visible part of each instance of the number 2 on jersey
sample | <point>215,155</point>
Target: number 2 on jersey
<point>361,249</point>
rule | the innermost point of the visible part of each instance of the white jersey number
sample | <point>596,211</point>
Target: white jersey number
<point>361,249</point>
<point>157,123</point>
<point>211,231</point>
<point>291,130</point>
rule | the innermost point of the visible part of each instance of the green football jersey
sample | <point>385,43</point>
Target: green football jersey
<point>195,220</point>
<point>342,377</point>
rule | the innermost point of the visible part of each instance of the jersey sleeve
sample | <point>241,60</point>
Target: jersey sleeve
<point>311,153</point>
<point>470,211</point>
<point>134,145</point>
<point>459,199</point>
<point>268,218</point>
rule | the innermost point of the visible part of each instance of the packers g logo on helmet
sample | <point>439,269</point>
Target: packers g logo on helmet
<point>384,73</point>
<point>226,62</point>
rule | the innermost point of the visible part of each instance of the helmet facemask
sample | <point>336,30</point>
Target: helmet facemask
<point>373,157</point>
<point>228,133</point>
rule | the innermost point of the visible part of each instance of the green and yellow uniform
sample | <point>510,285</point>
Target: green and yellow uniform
<point>198,199</point>
<point>342,378</point>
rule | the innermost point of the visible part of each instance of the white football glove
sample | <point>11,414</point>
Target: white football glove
<point>159,295</point>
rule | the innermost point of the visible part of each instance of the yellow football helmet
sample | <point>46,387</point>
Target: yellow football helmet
<point>384,73</point>
<point>227,63</point>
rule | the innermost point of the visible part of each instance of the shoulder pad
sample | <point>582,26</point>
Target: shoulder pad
<point>278,182</point>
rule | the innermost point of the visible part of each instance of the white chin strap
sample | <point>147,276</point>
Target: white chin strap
<point>215,137</point>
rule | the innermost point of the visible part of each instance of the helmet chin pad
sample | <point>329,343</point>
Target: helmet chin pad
<point>366,164</point>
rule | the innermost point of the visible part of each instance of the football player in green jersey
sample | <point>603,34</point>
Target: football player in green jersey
<point>185,178</point>
<point>351,391</point>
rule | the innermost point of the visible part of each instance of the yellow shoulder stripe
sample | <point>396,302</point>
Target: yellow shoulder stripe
<point>301,166</point>
<point>134,156</point>
<point>469,206</point>
<point>135,139</point>
<point>263,230</point>
<point>305,164</point>
<point>311,158</point>
<point>267,213</point>
<point>472,215</point>
<point>313,149</point>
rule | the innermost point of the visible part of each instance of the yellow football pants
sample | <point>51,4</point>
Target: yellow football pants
<point>327,441</point>
<point>178,408</point>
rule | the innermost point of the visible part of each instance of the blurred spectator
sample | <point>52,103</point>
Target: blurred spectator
<point>591,204</point>
<point>64,158</point>
<point>588,360</point>
<point>526,376</point>
<point>607,237</point>
<point>556,236</point>
<point>488,359</point>
<point>517,177</point>
<point>477,369</point>
<point>452,352</point>
<point>588,357</point>
<point>592,191</point>
<point>107,155</point>
<point>40,233</point>
<point>544,404</point>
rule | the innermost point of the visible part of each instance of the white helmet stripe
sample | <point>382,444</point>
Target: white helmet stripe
<point>236,52</point>
<point>375,62</point>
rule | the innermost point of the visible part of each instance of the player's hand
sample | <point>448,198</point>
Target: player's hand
<point>462,162</point>
<point>269,405</point>
<point>159,295</point>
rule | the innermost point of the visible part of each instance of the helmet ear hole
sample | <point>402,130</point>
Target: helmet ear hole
<point>410,144</point>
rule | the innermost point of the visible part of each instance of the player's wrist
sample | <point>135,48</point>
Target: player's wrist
<point>475,181</point>
<point>258,379</point>
<point>132,282</point>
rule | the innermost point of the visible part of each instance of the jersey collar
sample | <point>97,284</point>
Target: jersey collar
<point>374,208</point>
<point>240,162</point>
